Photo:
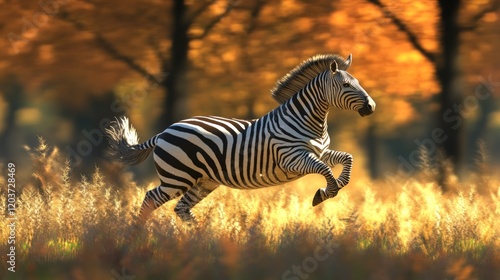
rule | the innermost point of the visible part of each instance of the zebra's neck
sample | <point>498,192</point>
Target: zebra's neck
<point>307,110</point>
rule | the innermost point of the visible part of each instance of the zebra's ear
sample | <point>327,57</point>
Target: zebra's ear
<point>334,67</point>
<point>348,61</point>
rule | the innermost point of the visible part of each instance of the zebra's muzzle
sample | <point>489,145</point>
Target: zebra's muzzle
<point>366,110</point>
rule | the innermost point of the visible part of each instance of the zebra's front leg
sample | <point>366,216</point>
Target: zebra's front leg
<point>308,163</point>
<point>332,158</point>
<point>191,198</point>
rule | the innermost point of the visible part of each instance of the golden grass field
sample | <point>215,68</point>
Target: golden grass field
<point>389,229</point>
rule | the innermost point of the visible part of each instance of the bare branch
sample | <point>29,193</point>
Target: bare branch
<point>111,50</point>
<point>107,46</point>
<point>255,12</point>
<point>473,22</point>
<point>431,57</point>
<point>156,48</point>
<point>199,11</point>
<point>215,20</point>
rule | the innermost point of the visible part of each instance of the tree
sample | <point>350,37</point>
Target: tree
<point>13,93</point>
<point>447,70</point>
<point>258,43</point>
<point>173,67</point>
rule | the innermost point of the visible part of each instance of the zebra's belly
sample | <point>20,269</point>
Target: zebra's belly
<point>254,180</point>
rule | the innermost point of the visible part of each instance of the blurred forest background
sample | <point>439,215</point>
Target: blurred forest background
<point>68,67</point>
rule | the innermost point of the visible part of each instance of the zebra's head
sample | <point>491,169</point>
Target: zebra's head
<point>347,92</point>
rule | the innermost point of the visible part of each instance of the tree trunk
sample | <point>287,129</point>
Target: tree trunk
<point>14,96</point>
<point>448,76</point>
<point>175,106</point>
<point>372,148</point>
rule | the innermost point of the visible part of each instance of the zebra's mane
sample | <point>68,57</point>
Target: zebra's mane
<point>303,73</point>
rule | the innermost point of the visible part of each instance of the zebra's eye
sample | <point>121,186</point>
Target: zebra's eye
<point>346,85</point>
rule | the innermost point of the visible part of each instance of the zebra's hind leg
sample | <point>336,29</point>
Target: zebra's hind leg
<point>191,198</point>
<point>155,198</point>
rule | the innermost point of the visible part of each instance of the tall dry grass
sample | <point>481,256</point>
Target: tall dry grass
<point>396,228</point>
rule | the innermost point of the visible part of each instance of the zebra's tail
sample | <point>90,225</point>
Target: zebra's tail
<point>124,142</point>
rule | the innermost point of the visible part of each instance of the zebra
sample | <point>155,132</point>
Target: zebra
<point>195,156</point>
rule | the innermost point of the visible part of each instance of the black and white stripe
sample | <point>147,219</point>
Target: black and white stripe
<point>196,155</point>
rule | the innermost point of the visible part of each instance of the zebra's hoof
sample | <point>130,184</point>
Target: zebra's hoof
<point>319,197</point>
